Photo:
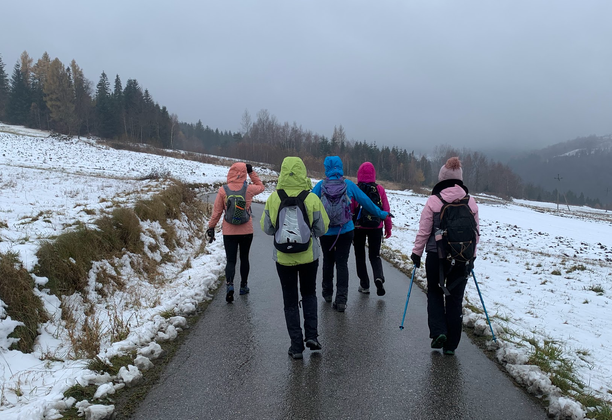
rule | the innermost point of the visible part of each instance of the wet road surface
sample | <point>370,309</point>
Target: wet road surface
<point>234,364</point>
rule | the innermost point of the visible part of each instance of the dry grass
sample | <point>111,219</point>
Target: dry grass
<point>17,292</point>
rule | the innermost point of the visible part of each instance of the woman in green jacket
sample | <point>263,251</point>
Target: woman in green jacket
<point>304,264</point>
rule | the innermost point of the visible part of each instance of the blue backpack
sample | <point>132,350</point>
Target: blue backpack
<point>336,201</point>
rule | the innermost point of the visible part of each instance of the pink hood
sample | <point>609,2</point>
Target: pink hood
<point>236,175</point>
<point>366,173</point>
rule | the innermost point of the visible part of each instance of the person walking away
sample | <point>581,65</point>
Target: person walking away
<point>446,272</point>
<point>233,201</point>
<point>336,194</point>
<point>369,227</point>
<point>296,217</point>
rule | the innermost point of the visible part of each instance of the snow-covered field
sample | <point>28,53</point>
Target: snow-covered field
<point>544,275</point>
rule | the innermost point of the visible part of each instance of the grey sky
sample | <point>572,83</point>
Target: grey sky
<point>409,73</point>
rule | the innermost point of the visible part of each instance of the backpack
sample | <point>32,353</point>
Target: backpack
<point>458,227</point>
<point>362,217</point>
<point>336,201</point>
<point>236,211</point>
<point>293,229</point>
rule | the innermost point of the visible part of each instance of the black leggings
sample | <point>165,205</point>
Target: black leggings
<point>374,237</point>
<point>231,243</point>
<point>337,256</point>
<point>445,313</point>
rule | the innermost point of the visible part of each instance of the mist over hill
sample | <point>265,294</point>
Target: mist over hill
<point>575,167</point>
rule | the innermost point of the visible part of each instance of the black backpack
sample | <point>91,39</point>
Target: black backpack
<point>362,217</point>
<point>458,227</point>
<point>292,226</point>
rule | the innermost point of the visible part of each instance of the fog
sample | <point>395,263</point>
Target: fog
<point>477,74</point>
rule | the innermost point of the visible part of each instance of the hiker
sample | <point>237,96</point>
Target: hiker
<point>370,227</point>
<point>446,279</point>
<point>336,194</point>
<point>295,217</point>
<point>234,202</point>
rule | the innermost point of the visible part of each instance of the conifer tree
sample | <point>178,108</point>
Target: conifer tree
<point>59,97</point>
<point>133,98</point>
<point>18,104</point>
<point>103,109</point>
<point>4,90</point>
<point>39,112</point>
<point>119,108</point>
<point>82,98</point>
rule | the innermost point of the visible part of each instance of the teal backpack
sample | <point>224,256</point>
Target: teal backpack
<point>236,211</point>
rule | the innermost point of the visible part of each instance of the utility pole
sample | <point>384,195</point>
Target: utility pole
<point>558,178</point>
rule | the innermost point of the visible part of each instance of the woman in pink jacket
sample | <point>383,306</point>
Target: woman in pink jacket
<point>444,312</point>
<point>236,236</point>
<point>371,228</point>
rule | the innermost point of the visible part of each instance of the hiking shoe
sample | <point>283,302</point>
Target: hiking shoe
<point>244,290</point>
<point>449,352</point>
<point>438,342</point>
<point>313,344</point>
<point>380,290</point>
<point>229,295</point>
<point>364,290</point>
<point>295,354</point>
<point>328,298</point>
<point>340,307</point>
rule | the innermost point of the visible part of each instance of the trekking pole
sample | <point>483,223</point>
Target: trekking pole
<point>408,297</point>
<point>483,306</point>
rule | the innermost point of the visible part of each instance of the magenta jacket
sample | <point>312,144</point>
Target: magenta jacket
<point>367,173</point>
<point>450,190</point>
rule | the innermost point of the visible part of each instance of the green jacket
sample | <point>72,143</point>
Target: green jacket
<point>293,180</point>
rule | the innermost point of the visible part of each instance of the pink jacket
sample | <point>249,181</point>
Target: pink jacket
<point>236,176</point>
<point>431,215</point>
<point>367,173</point>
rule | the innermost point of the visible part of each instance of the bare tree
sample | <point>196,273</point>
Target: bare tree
<point>174,123</point>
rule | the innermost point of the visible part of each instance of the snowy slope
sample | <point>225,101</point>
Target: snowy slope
<point>537,269</point>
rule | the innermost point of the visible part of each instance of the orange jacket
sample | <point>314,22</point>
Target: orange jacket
<point>236,176</point>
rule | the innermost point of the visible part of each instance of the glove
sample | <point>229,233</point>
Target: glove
<point>249,168</point>
<point>387,233</point>
<point>390,215</point>
<point>416,260</point>
<point>210,232</point>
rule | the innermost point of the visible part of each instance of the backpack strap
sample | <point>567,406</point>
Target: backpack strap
<point>282,194</point>
<point>441,199</point>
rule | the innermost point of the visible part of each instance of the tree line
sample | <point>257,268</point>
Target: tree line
<point>51,96</point>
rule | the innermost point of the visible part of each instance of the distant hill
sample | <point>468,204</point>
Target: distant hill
<point>583,164</point>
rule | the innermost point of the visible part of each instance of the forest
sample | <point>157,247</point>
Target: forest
<point>50,95</point>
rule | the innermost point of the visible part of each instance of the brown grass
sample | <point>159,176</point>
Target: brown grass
<point>17,292</point>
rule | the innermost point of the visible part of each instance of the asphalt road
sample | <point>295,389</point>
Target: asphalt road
<point>234,364</point>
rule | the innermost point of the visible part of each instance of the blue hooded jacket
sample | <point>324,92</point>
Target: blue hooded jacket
<point>333,170</point>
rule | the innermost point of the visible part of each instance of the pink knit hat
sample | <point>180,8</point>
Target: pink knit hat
<point>451,170</point>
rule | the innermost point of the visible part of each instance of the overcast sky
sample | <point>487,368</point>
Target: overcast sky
<point>415,74</point>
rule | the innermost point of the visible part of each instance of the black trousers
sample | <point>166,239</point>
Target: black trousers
<point>307,276</point>
<point>374,238</point>
<point>337,257</point>
<point>445,313</point>
<point>232,243</point>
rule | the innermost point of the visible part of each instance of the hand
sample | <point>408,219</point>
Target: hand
<point>210,233</point>
<point>387,233</point>
<point>249,168</point>
<point>470,264</point>
<point>416,260</point>
<point>390,215</point>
